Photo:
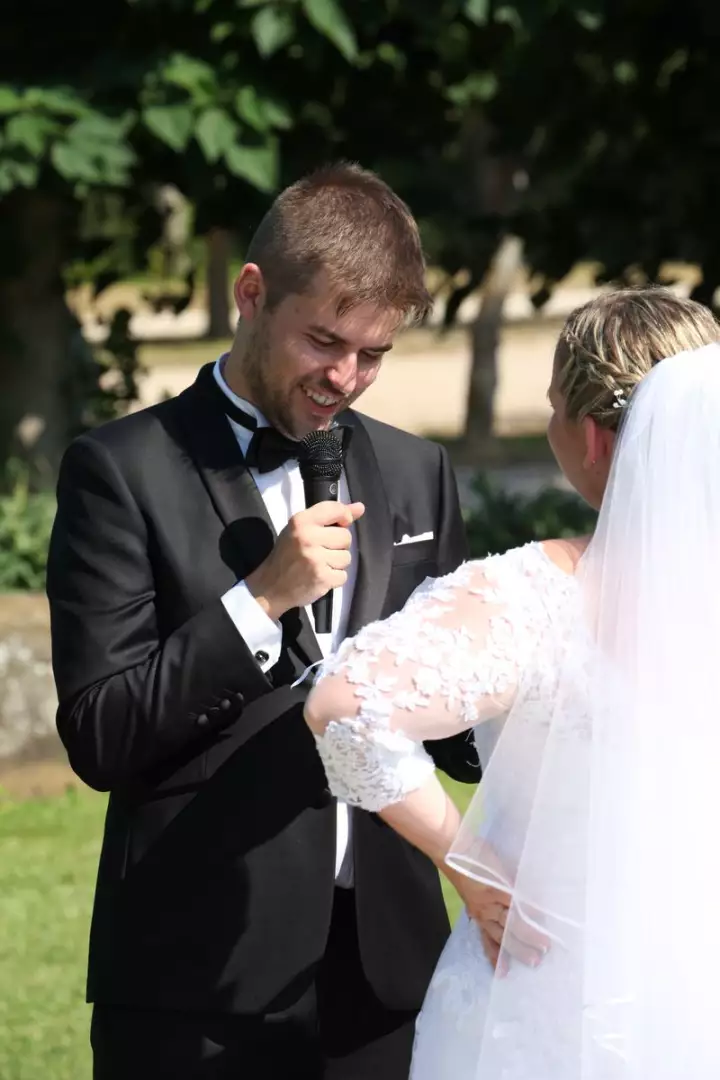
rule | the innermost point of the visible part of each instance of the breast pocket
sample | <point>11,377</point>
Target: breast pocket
<point>420,551</point>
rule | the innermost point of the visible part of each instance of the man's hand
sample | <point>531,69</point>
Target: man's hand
<point>310,558</point>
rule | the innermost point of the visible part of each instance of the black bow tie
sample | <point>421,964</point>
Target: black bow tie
<point>269,449</point>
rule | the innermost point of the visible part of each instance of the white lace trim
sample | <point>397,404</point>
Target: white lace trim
<point>457,647</point>
<point>372,768</point>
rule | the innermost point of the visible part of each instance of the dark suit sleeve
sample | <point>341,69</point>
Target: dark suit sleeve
<point>129,696</point>
<point>456,756</point>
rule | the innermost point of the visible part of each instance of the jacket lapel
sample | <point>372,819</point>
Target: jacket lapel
<point>249,534</point>
<point>373,530</point>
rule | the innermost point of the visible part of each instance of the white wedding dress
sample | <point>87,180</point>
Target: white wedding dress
<point>456,656</point>
<point>593,701</point>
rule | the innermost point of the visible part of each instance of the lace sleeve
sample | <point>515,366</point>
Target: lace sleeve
<point>447,661</point>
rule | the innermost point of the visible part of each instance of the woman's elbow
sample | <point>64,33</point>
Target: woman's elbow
<point>330,699</point>
<point>315,717</point>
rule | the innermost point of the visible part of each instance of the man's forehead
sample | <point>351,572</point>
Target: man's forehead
<point>336,314</point>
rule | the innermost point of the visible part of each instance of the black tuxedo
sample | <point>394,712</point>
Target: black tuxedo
<point>216,880</point>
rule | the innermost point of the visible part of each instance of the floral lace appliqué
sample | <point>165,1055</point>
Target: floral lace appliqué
<point>456,650</point>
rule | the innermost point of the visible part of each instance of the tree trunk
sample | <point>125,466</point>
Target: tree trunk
<point>41,344</point>
<point>478,442</point>
<point>218,272</point>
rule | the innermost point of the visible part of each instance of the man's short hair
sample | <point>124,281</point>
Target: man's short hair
<point>346,221</point>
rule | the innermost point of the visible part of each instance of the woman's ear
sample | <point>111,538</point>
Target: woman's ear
<point>599,444</point>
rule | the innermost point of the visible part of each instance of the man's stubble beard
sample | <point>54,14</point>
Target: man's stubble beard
<point>257,368</point>
<point>258,375</point>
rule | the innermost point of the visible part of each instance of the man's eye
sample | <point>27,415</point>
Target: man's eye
<point>321,343</point>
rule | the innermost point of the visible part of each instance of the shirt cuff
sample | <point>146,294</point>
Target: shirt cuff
<point>262,636</point>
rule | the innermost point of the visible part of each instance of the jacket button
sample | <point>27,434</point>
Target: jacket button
<point>240,698</point>
<point>261,656</point>
<point>225,704</point>
<point>202,719</point>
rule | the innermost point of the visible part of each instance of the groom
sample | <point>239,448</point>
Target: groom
<point>245,925</point>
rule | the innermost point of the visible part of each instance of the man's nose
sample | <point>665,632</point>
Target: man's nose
<point>342,374</point>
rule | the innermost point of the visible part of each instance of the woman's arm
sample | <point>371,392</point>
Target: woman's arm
<point>449,660</point>
<point>429,819</point>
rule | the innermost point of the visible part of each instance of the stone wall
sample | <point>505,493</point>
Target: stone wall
<point>27,693</point>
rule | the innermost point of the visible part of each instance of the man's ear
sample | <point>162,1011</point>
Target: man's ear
<point>250,292</point>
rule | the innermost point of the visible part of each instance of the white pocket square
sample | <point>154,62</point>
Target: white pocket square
<point>414,539</point>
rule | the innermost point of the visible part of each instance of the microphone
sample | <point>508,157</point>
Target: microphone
<point>320,461</point>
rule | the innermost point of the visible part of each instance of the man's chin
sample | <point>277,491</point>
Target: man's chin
<point>321,423</point>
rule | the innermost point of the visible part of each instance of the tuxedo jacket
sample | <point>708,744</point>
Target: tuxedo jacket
<point>216,876</point>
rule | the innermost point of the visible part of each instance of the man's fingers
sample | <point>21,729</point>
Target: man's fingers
<point>339,560</point>
<point>332,513</point>
<point>334,538</point>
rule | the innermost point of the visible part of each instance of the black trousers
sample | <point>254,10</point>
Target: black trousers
<point>337,1030</point>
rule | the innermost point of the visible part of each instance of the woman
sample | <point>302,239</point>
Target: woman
<point>586,669</point>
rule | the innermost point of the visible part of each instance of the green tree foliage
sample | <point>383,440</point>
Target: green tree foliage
<point>583,127</point>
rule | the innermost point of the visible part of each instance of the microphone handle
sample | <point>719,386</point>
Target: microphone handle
<point>321,489</point>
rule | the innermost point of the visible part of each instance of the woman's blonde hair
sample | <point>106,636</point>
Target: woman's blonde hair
<point>609,344</point>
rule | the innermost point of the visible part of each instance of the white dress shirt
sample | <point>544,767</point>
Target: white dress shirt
<point>283,493</point>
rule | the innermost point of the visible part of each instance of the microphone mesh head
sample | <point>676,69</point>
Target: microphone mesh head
<point>321,456</point>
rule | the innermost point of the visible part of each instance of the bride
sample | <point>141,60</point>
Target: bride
<point>586,669</point>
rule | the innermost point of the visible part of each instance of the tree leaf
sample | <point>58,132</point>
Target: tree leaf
<point>272,28</point>
<point>190,74</point>
<point>221,31</point>
<point>7,177</point>
<point>31,131</point>
<point>115,161</point>
<point>215,131</point>
<point>477,11</point>
<point>330,20</point>
<point>10,101</point>
<point>276,114</point>
<point>589,20</point>
<point>18,174</point>
<point>261,113</point>
<point>259,165</point>
<point>172,124</point>
<point>480,86</point>
<point>250,108</point>
<point>74,163</point>
<point>98,128</point>
<point>56,99</point>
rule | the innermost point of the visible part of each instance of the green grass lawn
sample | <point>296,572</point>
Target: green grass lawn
<point>48,858</point>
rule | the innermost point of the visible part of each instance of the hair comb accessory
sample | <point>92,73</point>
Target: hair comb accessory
<point>620,399</point>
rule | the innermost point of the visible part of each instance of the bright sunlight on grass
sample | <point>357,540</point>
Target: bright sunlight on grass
<point>48,859</point>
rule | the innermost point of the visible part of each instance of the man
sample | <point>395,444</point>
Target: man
<point>245,925</point>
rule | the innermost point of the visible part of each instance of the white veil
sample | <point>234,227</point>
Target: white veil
<point>615,845</point>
